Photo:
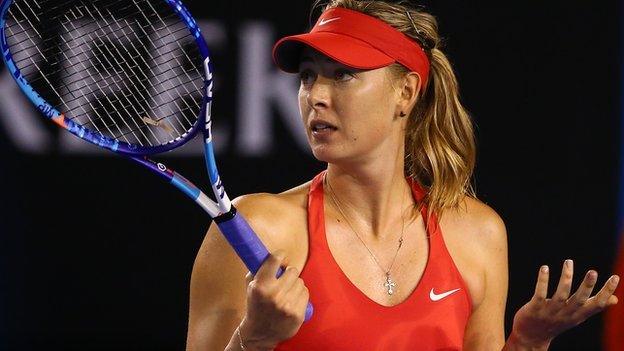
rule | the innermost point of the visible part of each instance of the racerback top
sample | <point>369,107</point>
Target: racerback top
<point>432,318</point>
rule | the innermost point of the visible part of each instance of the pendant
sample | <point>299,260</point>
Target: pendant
<point>389,284</point>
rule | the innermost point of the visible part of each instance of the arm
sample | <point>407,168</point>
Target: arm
<point>225,301</point>
<point>217,300</point>
<point>485,328</point>
<point>538,322</point>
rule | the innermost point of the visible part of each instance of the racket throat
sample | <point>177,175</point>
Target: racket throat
<point>226,216</point>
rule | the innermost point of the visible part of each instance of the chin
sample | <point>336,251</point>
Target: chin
<point>324,153</point>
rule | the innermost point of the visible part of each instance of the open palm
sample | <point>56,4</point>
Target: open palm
<point>542,318</point>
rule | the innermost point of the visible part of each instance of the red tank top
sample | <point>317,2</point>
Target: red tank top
<point>433,317</point>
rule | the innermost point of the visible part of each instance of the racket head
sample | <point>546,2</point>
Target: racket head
<point>134,77</point>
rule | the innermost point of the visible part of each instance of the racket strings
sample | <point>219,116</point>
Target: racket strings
<point>145,77</point>
<point>49,39</point>
<point>118,53</point>
<point>115,86</point>
<point>112,85</point>
<point>168,71</point>
<point>66,16</point>
<point>129,70</point>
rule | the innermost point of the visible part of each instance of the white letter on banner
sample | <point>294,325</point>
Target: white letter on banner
<point>260,86</point>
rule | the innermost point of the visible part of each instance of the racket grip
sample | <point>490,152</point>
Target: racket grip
<point>247,245</point>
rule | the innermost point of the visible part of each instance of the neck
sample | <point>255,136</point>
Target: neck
<point>375,196</point>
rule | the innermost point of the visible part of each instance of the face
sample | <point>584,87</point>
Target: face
<point>349,114</point>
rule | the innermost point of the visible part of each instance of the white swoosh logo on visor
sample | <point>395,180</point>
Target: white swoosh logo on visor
<point>325,21</point>
<point>436,297</point>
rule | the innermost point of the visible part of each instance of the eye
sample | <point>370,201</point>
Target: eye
<point>343,75</point>
<point>307,76</point>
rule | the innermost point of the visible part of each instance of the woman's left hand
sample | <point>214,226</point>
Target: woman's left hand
<point>542,319</point>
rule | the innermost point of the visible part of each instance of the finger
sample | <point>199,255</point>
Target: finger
<point>565,282</point>
<point>584,291</point>
<point>303,299</point>
<point>248,278</point>
<point>269,267</point>
<point>296,302</point>
<point>541,288</point>
<point>288,280</point>
<point>604,298</point>
<point>297,290</point>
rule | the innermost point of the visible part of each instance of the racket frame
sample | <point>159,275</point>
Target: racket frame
<point>232,225</point>
<point>137,152</point>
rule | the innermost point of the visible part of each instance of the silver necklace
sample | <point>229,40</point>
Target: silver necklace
<point>389,284</point>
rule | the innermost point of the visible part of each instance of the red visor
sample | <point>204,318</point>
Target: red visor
<point>355,40</point>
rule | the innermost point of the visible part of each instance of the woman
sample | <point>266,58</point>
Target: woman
<point>394,250</point>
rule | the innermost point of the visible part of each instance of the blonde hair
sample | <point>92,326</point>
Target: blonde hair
<point>439,140</point>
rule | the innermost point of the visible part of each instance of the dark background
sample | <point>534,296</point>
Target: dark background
<point>96,253</point>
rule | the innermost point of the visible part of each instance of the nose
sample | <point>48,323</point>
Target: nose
<point>319,93</point>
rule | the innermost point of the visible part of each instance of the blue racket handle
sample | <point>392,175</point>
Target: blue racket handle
<point>247,245</point>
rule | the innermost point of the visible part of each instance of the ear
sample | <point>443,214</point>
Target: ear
<point>409,91</point>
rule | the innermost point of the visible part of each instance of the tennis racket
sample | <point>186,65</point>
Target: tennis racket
<point>130,76</point>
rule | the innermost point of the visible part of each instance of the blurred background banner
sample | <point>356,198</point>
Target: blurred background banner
<point>541,80</point>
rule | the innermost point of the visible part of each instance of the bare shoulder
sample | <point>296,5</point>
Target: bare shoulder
<point>279,219</point>
<point>476,238</point>
<point>262,206</point>
<point>475,222</point>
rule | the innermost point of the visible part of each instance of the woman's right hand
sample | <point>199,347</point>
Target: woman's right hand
<point>275,306</point>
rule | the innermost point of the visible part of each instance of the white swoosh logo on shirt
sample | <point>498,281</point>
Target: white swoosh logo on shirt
<point>436,297</point>
<point>325,21</point>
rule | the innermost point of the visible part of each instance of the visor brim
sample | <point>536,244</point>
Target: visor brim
<point>344,49</point>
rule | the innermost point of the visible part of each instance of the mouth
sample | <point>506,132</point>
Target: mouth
<point>319,127</point>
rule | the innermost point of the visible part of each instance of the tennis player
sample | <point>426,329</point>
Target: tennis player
<point>389,243</point>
